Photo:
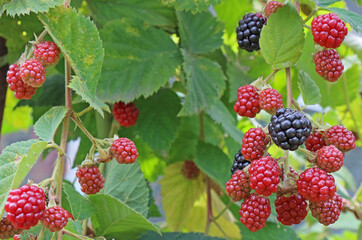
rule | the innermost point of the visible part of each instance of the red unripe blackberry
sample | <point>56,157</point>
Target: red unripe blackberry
<point>272,7</point>
<point>270,100</point>
<point>340,137</point>
<point>238,187</point>
<point>291,210</point>
<point>329,30</point>
<point>21,90</point>
<point>25,206</point>
<point>47,53</point>
<point>315,141</point>
<point>254,144</point>
<point>125,114</point>
<point>254,212</point>
<point>7,229</point>
<point>327,212</point>
<point>33,73</point>
<point>124,150</point>
<point>314,184</point>
<point>329,158</point>
<point>56,218</point>
<point>328,64</point>
<point>247,104</point>
<point>90,179</point>
<point>190,170</point>
<point>264,176</point>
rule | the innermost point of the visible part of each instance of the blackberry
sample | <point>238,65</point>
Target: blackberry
<point>7,229</point>
<point>239,162</point>
<point>289,128</point>
<point>248,31</point>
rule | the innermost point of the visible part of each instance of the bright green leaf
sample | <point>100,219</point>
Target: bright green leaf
<point>127,183</point>
<point>158,122</point>
<point>177,236</point>
<point>20,7</point>
<point>81,88</point>
<point>205,83</point>
<point>139,60</point>
<point>354,19</point>
<point>184,145</point>
<point>194,6</point>
<point>16,161</point>
<point>200,33</point>
<point>325,3</point>
<point>310,91</point>
<point>178,195</point>
<point>214,162</point>
<point>114,219</point>
<point>150,11</point>
<point>78,39</point>
<point>220,114</point>
<point>282,39</point>
<point>80,207</point>
<point>47,125</point>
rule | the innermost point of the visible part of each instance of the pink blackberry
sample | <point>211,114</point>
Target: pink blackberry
<point>329,30</point>
<point>247,104</point>
<point>124,150</point>
<point>21,90</point>
<point>264,176</point>
<point>314,184</point>
<point>33,73</point>
<point>254,212</point>
<point>272,7</point>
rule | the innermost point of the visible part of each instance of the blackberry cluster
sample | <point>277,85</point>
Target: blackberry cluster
<point>248,31</point>
<point>289,128</point>
<point>239,162</point>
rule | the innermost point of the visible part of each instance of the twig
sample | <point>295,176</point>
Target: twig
<point>289,88</point>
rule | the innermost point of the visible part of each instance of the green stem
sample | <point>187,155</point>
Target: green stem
<point>310,16</point>
<point>56,146</point>
<point>45,182</point>
<point>69,233</point>
<point>84,130</point>
<point>81,113</point>
<point>289,88</point>
<point>41,234</point>
<point>223,211</point>
<point>270,76</point>
<point>309,154</point>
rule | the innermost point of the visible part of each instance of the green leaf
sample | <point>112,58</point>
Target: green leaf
<point>220,114</point>
<point>271,231</point>
<point>184,145</point>
<point>73,226</point>
<point>16,161</point>
<point>227,14</point>
<point>179,195</point>
<point>139,60</point>
<point>81,88</point>
<point>18,31</point>
<point>200,33</point>
<point>158,117</point>
<point>214,162</point>
<point>194,6</point>
<point>150,11</point>
<point>127,183</point>
<point>308,88</point>
<point>325,3</point>
<point>205,83</point>
<point>114,219</point>
<point>177,236</point>
<point>19,7</point>
<point>282,39</point>
<point>78,39</point>
<point>80,207</point>
<point>354,19</point>
<point>47,125</point>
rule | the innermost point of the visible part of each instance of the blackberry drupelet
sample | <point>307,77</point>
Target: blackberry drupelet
<point>239,162</point>
<point>248,31</point>
<point>289,128</point>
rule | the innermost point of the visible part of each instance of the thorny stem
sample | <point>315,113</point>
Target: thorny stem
<point>289,88</point>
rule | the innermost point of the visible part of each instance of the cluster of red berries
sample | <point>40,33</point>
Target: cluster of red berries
<point>328,31</point>
<point>24,79</point>
<point>314,185</point>
<point>250,101</point>
<point>91,179</point>
<point>25,207</point>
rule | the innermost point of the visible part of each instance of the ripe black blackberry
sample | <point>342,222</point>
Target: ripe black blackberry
<point>248,31</point>
<point>289,128</point>
<point>239,162</point>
